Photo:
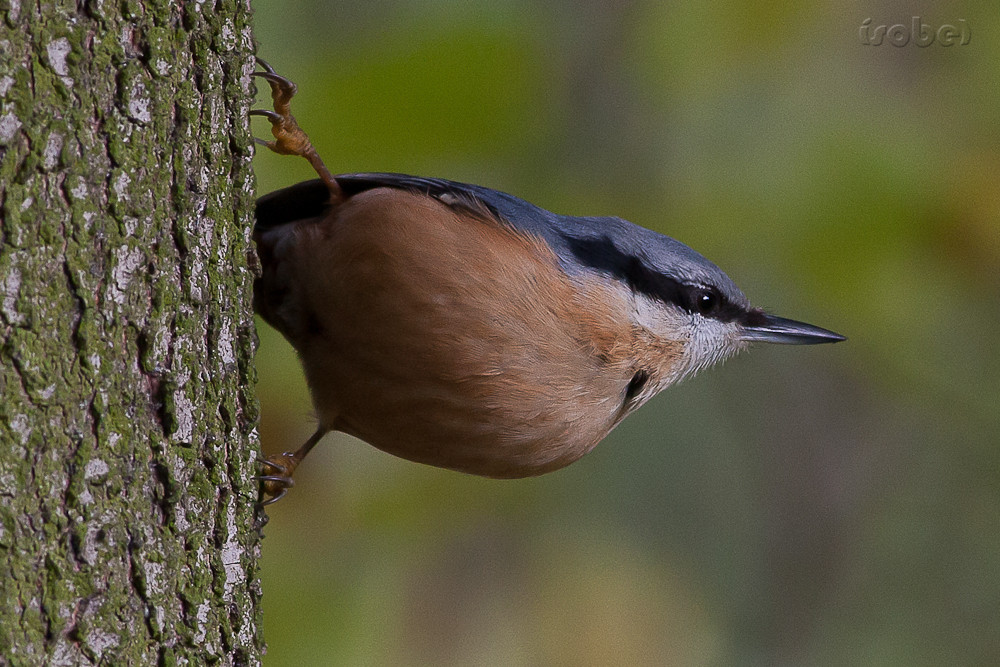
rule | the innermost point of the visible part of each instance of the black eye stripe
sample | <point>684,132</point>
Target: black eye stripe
<point>601,254</point>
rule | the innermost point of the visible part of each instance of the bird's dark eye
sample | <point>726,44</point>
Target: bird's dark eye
<point>706,301</point>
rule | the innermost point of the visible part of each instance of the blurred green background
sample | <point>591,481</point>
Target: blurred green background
<point>831,505</point>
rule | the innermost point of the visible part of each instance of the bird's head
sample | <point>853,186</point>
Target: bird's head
<point>684,301</point>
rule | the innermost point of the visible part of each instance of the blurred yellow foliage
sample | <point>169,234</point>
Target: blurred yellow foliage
<point>833,505</point>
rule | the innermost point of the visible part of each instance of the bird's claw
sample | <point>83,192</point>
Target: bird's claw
<point>282,89</point>
<point>289,138</point>
<point>275,486</point>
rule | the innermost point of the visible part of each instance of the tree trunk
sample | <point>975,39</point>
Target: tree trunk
<point>127,412</point>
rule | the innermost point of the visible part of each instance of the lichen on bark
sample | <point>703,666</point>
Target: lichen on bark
<point>127,413</point>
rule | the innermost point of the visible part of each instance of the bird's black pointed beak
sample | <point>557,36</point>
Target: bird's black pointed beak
<point>762,327</point>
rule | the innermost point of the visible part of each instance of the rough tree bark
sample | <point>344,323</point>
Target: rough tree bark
<point>127,443</point>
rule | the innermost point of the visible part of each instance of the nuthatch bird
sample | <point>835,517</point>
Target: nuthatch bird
<point>462,327</point>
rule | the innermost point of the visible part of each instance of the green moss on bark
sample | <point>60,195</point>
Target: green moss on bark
<point>127,414</point>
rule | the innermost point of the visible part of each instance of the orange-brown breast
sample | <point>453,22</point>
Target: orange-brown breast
<point>447,338</point>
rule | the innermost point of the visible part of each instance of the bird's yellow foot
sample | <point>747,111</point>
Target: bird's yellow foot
<point>289,138</point>
<point>280,467</point>
<point>275,484</point>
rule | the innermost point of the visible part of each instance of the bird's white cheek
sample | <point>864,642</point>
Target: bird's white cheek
<point>710,342</point>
